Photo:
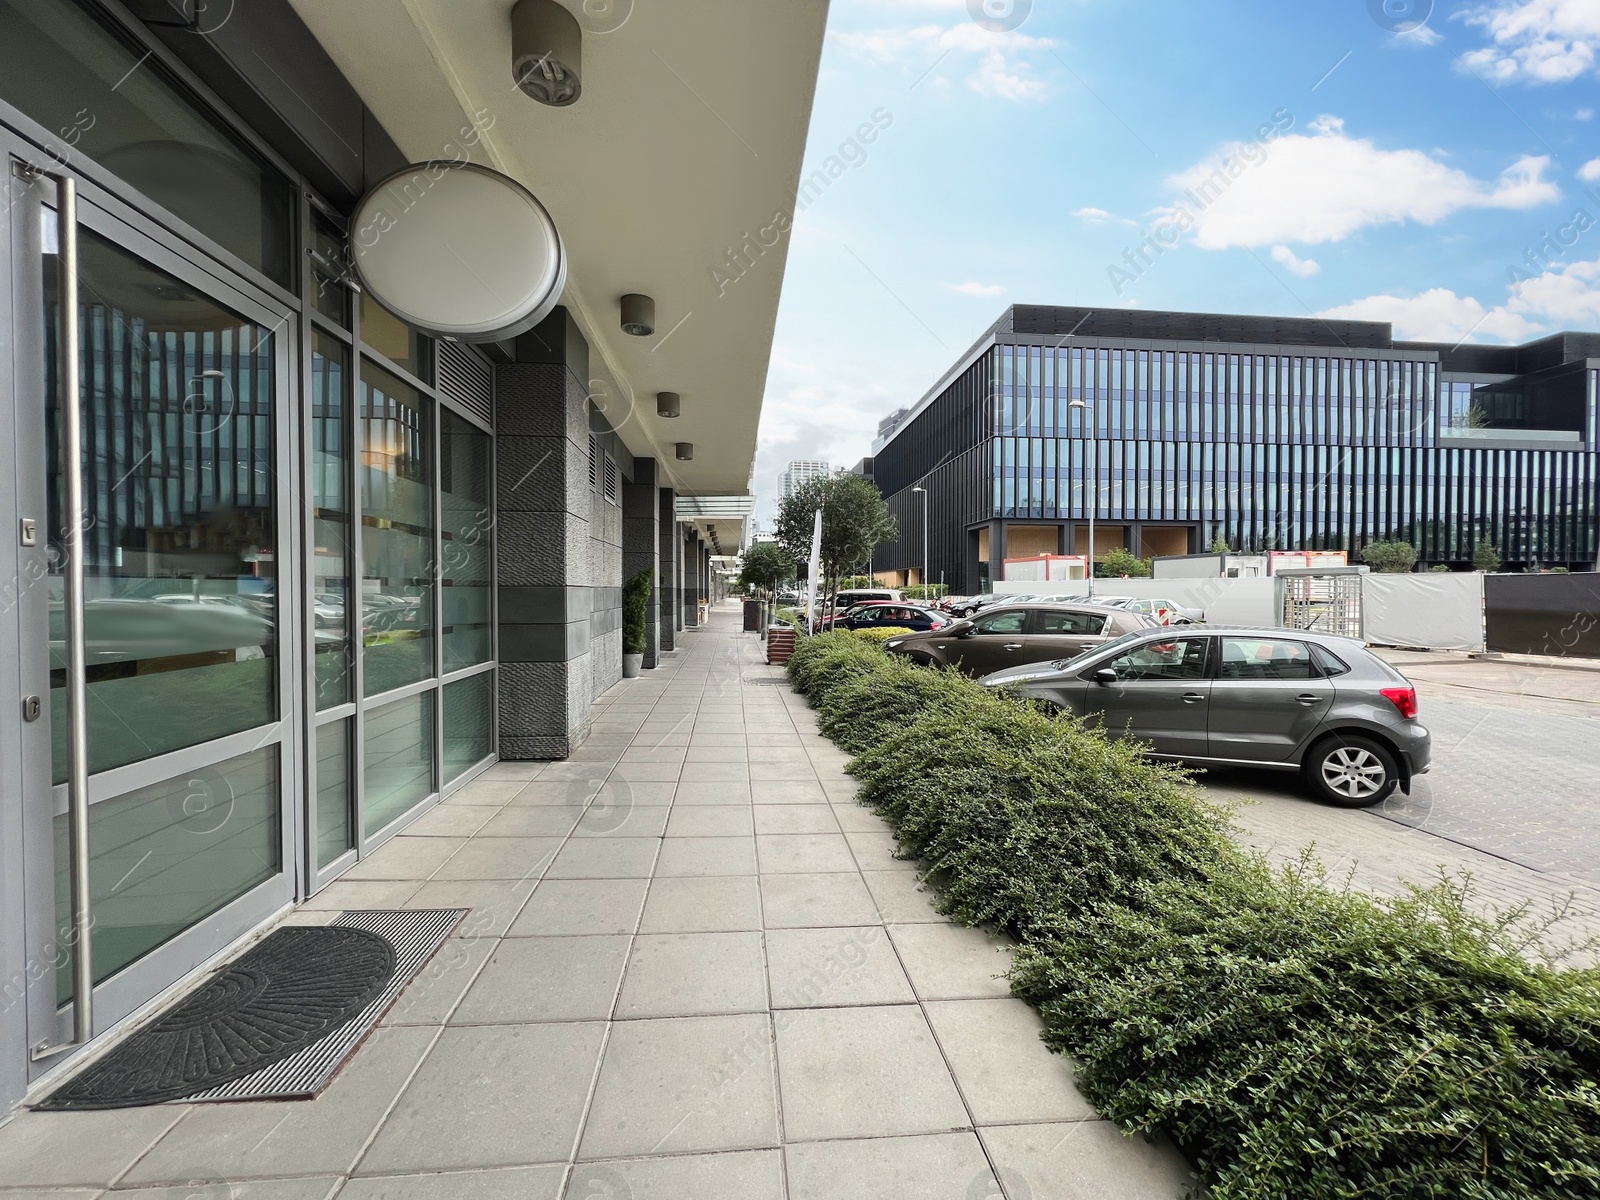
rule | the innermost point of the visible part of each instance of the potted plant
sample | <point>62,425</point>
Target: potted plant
<point>635,606</point>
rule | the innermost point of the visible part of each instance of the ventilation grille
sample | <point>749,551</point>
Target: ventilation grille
<point>594,463</point>
<point>466,378</point>
<point>611,479</point>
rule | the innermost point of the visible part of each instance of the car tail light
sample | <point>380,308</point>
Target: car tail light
<point>1403,698</point>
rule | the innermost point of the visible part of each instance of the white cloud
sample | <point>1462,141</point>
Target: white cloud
<point>1303,267</point>
<point>1001,69</point>
<point>977,289</point>
<point>1590,171</point>
<point>1567,296</point>
<point>1099,216</point>
<point>1583,114</point>
<point>1421,36</point>
<point>1536,41</point>
<point>1324,185</point>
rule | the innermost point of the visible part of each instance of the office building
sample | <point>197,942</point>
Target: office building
<point>801,471</point>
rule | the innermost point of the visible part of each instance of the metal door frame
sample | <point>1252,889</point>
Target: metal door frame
<point>170,964</point>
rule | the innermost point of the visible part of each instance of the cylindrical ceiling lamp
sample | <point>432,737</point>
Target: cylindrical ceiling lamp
<point>667,404</point>
<point>546,50</point>
<point>685,451</point>
<point>638,315</point>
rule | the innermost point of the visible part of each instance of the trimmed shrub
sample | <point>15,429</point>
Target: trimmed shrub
<point>879,635</point>
<point>1296,1038</point>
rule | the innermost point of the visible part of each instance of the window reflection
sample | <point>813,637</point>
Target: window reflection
<point>329,470</point>
<point>180,513</point>
<point>466,548</point>
<point>397,533</point>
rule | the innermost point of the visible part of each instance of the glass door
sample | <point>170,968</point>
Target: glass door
<point>183,419</point>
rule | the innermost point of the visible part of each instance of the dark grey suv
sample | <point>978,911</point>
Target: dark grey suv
<point>1278,699</point>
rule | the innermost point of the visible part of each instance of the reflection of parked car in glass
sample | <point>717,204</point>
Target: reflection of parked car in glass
<point>882,616</point>
<point>1284,700</point>
<point>117,629</point>
<point>1017,633</point>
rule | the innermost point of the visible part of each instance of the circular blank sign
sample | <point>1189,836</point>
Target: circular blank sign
<point>458,250</point>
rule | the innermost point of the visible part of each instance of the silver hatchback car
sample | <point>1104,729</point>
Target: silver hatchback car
<point>1277,699</point>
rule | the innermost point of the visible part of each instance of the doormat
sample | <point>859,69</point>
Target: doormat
<point>276,1024</point>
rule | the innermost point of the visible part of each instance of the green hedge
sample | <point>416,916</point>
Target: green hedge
<point>1297,1038</point>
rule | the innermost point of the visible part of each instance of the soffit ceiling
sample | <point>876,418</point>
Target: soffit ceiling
<point>688,137</point>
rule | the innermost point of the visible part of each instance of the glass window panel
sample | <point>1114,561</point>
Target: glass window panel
<point>102,99</point>
<point>466,552</point>
<point>330,268</point>
<point>330,509</point>
<point>335,829</point>
<point>398,743</point>
<point>468,723</point>
<point>393,338</point>
<point>171,854</point>
<point>397,532</point>
<point>180,525</point>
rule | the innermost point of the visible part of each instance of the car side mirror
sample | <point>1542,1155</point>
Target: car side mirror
<point>963,631</point>
<point>1104,675</point>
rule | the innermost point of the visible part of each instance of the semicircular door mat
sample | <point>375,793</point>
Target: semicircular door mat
<point>294,986</point>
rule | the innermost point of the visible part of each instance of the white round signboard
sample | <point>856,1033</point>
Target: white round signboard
<point>458,250</point>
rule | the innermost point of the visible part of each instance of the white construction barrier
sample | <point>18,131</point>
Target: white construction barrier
<point>1439,610</point>
<point>1224,601</point>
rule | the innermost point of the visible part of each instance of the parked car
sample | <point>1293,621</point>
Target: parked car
<point>850,597</point>
<point>877,614</point>
<point>984,600</point>
<point>1017,633</point>
<point>1277,699</point>
<point>1163,612</point>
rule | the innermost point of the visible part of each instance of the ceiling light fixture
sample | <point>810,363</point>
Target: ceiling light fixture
<point>546,49</point>
<point>638,315</point>
<point>685,451</point>
<point>668,404</point>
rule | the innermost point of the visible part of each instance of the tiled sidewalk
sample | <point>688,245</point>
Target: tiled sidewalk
<point>713,980</point>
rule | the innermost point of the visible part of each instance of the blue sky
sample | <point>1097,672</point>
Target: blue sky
<point>1400,176</point>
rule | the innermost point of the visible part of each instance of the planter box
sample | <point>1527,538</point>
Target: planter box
<point>780,644</point>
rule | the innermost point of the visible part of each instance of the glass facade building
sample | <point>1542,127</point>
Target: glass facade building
<point>1178,428</point>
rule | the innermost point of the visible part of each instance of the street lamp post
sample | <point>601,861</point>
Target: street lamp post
<point>1094,498</point>
<point>924,491</point>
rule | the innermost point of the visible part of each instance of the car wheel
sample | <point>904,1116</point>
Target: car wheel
<point>1351,771</point>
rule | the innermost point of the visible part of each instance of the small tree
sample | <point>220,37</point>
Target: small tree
<point>855,521</point>
<point>635,609</point>
<point>1485,557</point>
<point>1219,544</point>
<point>767,566</point>
<point>1119,562</point>
<point>1390,558</point>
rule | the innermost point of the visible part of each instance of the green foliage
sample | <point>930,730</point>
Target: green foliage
<point>1298,1038</point>
<point>1219,544</point>
<point>925,591</point>
<point>1440,568</point>
<point>1485,556</point>
<point>878,634</point>
<point>766,566</point>
<point>857,581</point>
<point>1117,562</point>
<point>855,520</point>
<point>635,609</point>
<point>1391,558</point>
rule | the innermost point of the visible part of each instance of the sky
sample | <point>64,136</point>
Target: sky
<point>1435,165</point>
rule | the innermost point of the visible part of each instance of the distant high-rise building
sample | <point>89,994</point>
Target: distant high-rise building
<point>801,470</point>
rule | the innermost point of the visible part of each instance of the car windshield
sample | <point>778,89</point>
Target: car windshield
<point>1062,664</point>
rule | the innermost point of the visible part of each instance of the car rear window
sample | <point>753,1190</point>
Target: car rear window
<point>1330,663</point>
<point>1069,622</point>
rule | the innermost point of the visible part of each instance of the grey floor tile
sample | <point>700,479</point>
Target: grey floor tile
<point>546,979</point>
<point>507,1183</point>
<point>701,792</point>
<point>694,974</point>
<point>684,1084</point>
<point>781,772</point>
<point>702,904</point>
<point>718,754</point>
<point>901,898</point>
<point>853,816</point>
<point>940,1166</point>
<point>344,894</point>
<point>582,772</point>
<point>451,820</point>
<point>405,858</point>
<point>532,820</point>
<point>648,753</point>
<point>863,1072</point>
<point>804,852</point>
<point>501,858</point>
<point>260,1139</point>
<point>710,820</point>
<point>706,856</point>
<point>1006,1073</point>
<point>815,968</point>
<point>704,772</point>
<point>795,818</point>
<point>622,820</point>
<point>490,1096</point>
<point>875,850</point>
<point>1086,1160</point>
<point>208,1186</point>
<point>739,1175</point>
<point>561,907</point>
<point>953,962</point>
<point>563,793</point>
<point>492,902</point>
<point>605,858</point>
<point>811,900</point>
<point>646,772</point>
<point>503,771</point>
<point>46,1149</point>
<point>430,998</point>
<point>781,791</point>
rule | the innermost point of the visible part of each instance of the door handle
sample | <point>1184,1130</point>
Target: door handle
<point>1013,646</point>
<point>1192,697</point>
<point>1307,698</point>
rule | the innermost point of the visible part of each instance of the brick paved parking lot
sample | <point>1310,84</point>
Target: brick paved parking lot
<point>1511,797</point>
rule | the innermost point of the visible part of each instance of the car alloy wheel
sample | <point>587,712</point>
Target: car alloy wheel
<point>1353,771</point>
